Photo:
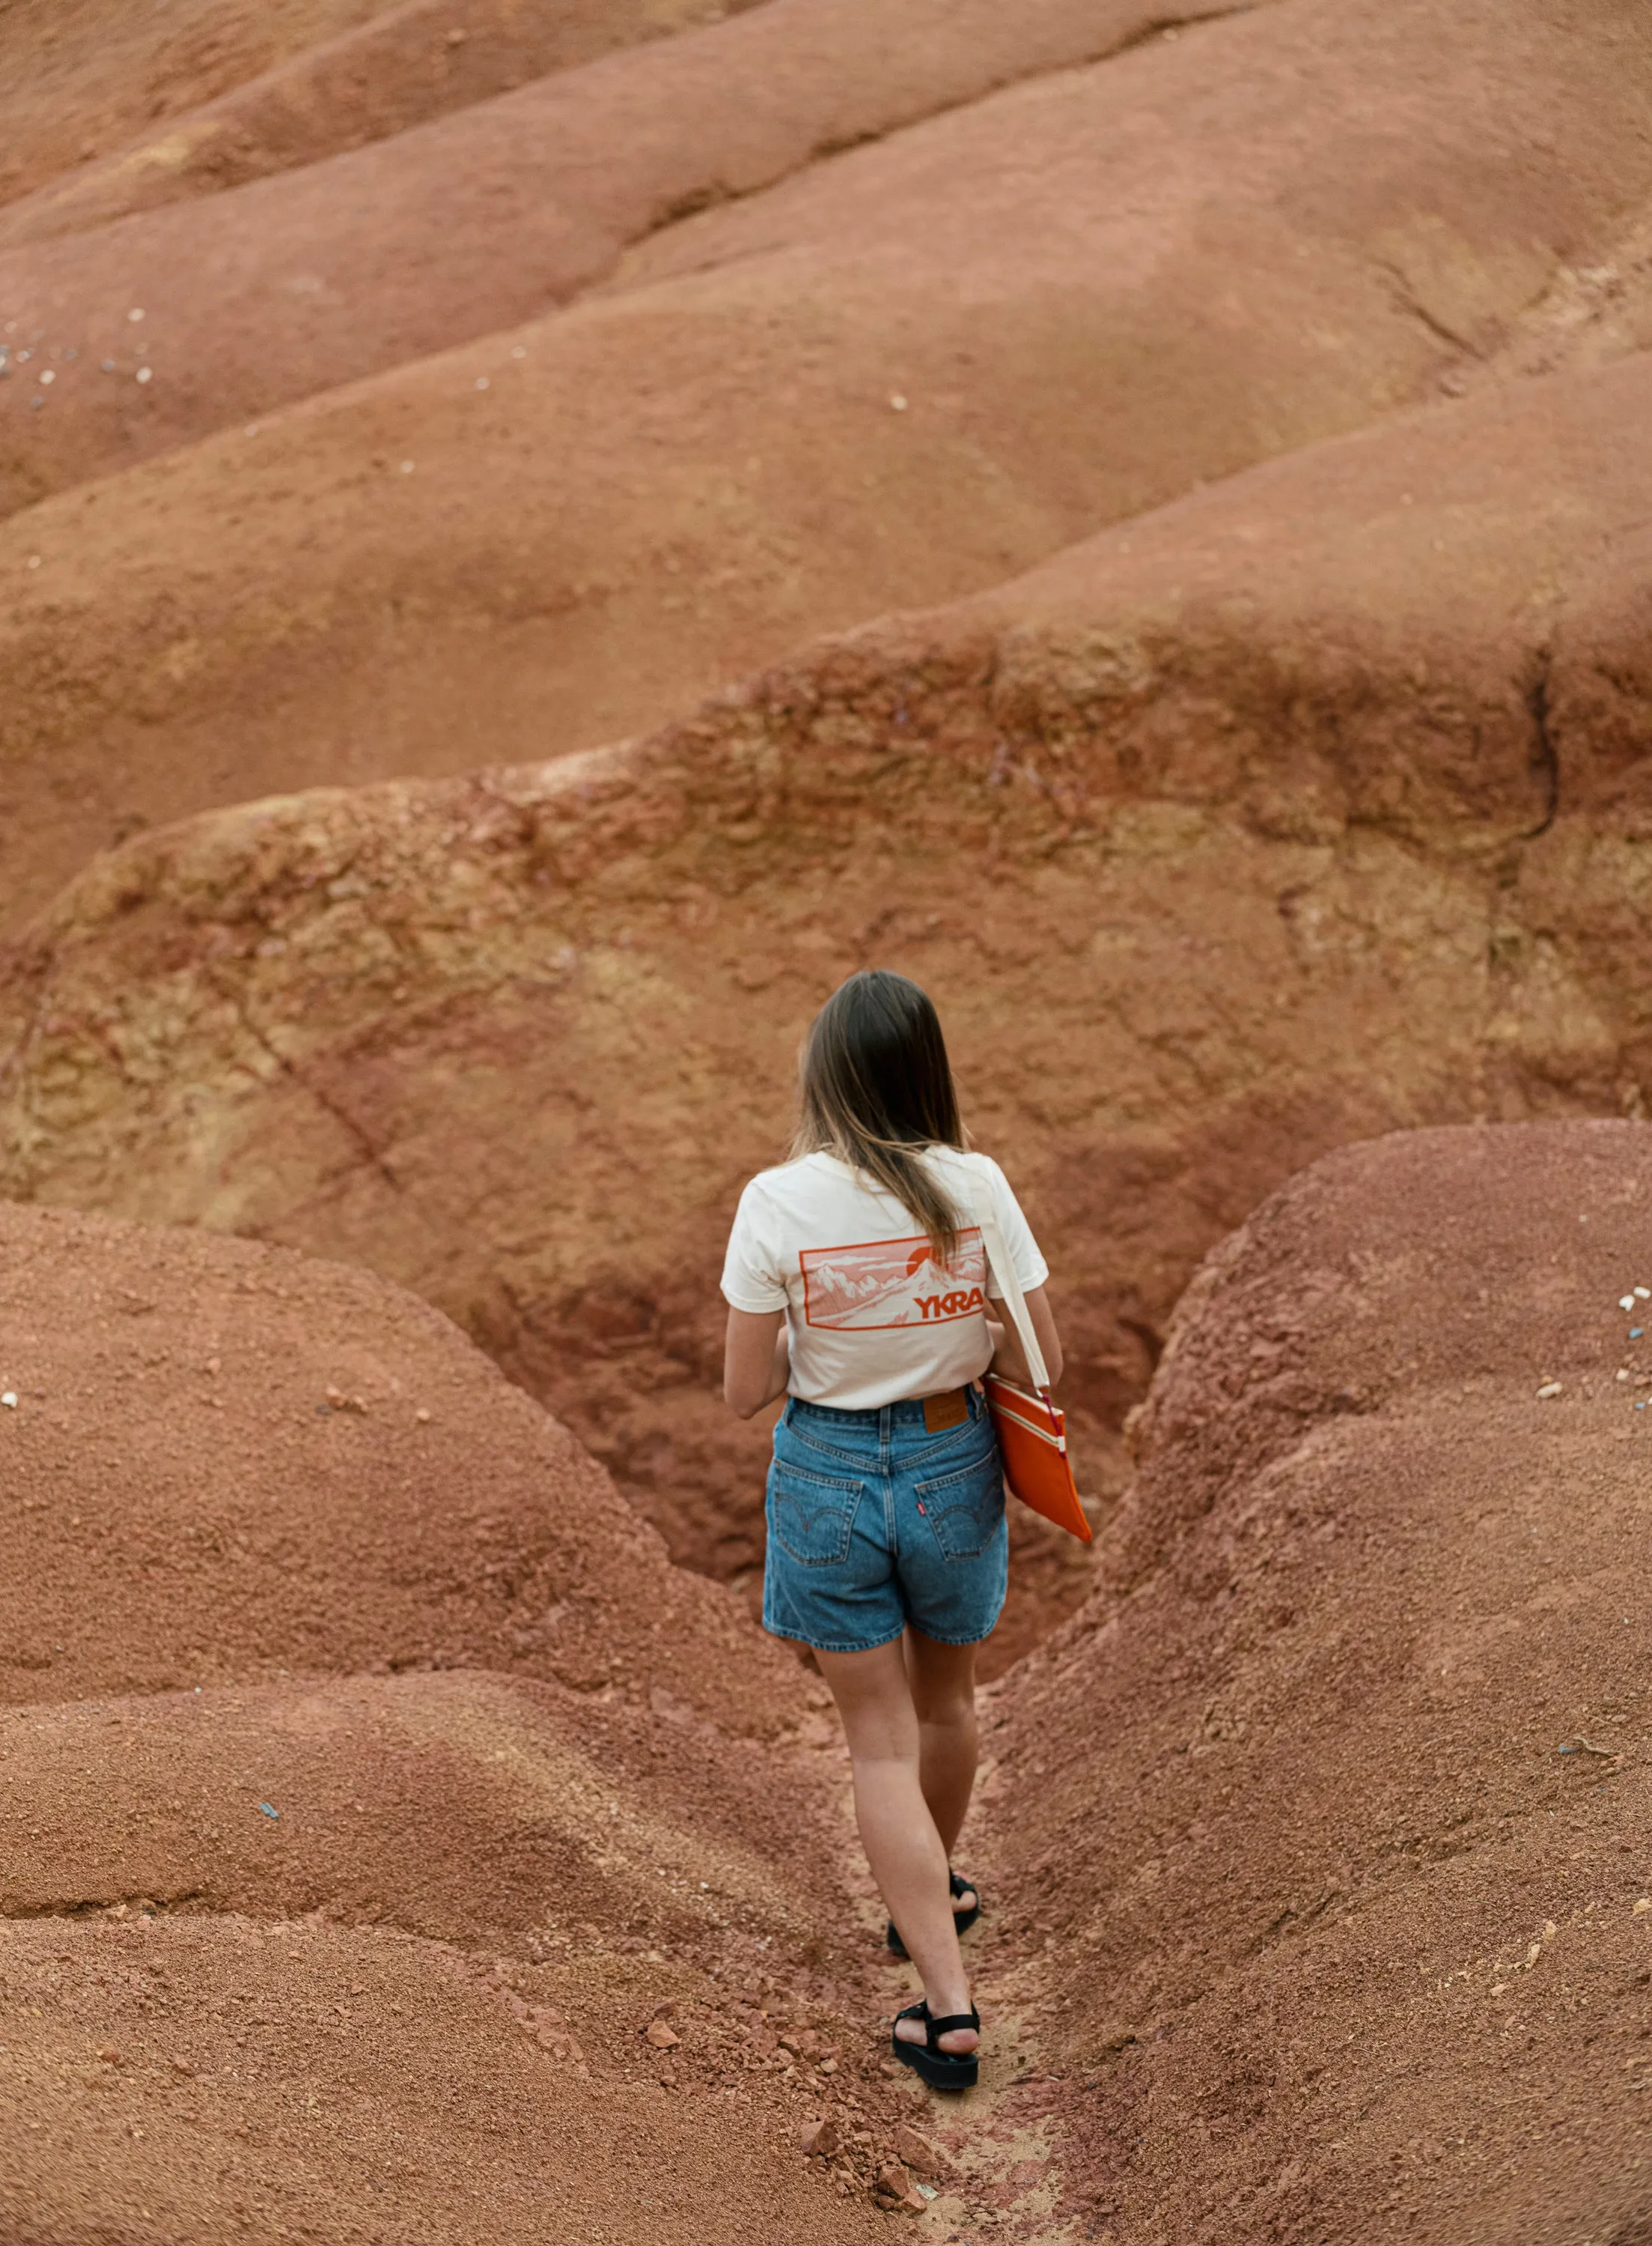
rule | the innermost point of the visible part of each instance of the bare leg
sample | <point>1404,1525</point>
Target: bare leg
<point>906,1852</point>
<point>943,1693</point>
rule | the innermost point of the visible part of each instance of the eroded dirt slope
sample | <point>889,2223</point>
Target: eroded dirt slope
<point>228,1465</point>
<point>459,1804</point>
<point>203,2077</point>
<point>198,2079</point>
<point>449,232</point>
<point>390,69</point>
<point>356,1936</point>
<point>80,76</point>
<point>1310,806</point>
<point>850,395</point>
<point>1330,1817</point>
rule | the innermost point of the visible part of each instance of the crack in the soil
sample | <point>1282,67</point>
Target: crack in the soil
<point>1408,301</point>
<point>146,1906</point>
<point>372,1156</point>
<point>1163,25</point>
<point>1545,756</point>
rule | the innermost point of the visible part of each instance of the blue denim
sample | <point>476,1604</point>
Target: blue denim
<point>875,1522</point>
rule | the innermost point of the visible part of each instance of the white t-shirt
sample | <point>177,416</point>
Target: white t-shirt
<point>872,1319</point>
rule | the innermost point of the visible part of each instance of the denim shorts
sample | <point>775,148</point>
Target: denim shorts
<point>874,1523</point>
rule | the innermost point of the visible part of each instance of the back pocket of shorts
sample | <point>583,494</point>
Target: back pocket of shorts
<point>812,1516</point>
<point>965,1508</point>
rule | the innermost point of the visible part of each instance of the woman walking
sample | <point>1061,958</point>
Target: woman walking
<point>859,1288</point>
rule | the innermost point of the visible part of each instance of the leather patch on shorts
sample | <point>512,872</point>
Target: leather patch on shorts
<point>940,1412</point>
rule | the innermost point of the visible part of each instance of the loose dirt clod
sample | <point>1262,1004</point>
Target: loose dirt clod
<point>920,2154</point>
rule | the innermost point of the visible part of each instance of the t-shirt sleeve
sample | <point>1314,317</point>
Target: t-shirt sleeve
<point>753,1276</point>
<point>1031,1267</point>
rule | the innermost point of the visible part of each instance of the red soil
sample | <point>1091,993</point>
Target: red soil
<point>299,1945</point>
<point>196,2080</point>
<point>1330,1816</point>
<point>395,1502</point>
<point>694,470</point>
<point>1353,736</point>
<point>1221,448</point>
<point>389,67</point>
<point>493,215</point>
<point>80,76</point>
<point>1317,1842</point>
<point>460,1805</point>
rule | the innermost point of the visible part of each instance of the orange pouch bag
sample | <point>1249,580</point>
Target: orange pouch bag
<point>1032,1442</point>
<point>1031,1432</point>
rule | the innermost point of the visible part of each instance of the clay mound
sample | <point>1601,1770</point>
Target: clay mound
<point>495,214</point>
<point>1332,1809</point>
<point>1306,808</point>
<point>194,2080</point>
<point>560,2002</point>
<point>225,1464</point>
<point>80,76</point>
<point>633,513</point>
<point>458,1806</point>
<point>399,67</point>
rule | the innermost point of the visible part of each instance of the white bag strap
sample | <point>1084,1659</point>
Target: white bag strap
<point>1003,1266</point>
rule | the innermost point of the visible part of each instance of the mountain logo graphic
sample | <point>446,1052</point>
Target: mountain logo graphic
<point>871,1285</point>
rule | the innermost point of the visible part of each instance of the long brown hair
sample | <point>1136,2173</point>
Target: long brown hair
<point>876,1089</point>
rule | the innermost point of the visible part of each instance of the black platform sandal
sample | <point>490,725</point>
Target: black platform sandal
<point>964,1919</point>
<point>941,2070</point>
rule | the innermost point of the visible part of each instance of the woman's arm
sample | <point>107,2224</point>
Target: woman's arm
<point>757,1360</point>
<point>1006,1355</point>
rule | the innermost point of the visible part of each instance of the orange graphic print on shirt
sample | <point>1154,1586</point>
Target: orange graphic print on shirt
<point>893,1283</point>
